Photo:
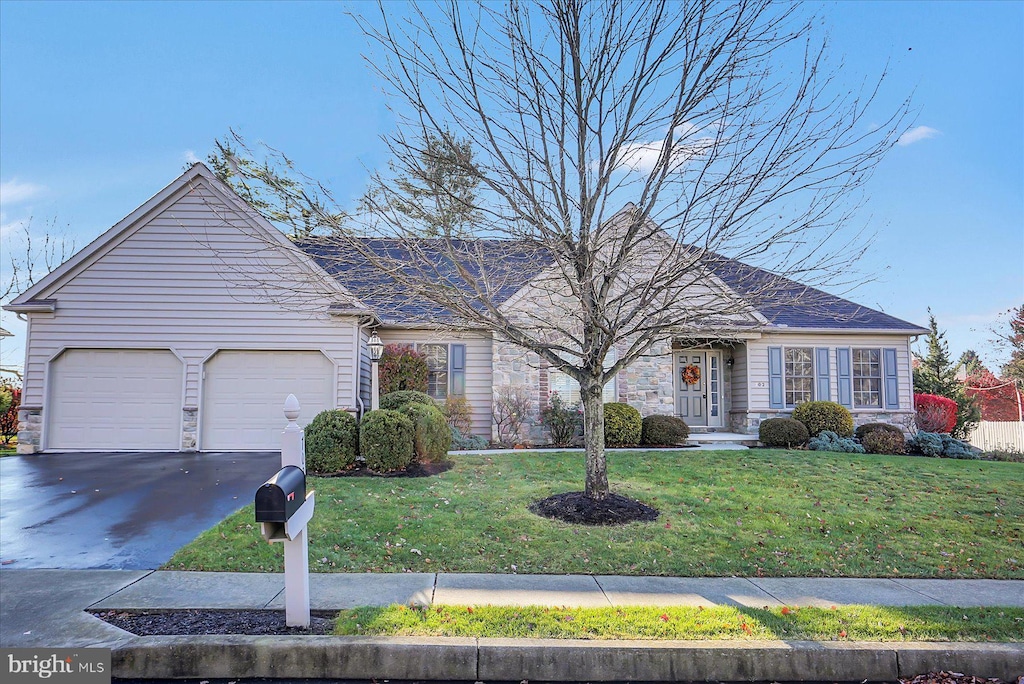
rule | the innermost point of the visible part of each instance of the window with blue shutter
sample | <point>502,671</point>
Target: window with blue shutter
<point>458,369</point>
<point>821,369</point>
<point>775,394</point>
<point>843,367</point>
<point>892,385</point>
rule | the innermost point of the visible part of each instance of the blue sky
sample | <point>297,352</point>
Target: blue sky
<point>102,104</point>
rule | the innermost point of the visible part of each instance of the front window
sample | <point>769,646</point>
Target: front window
<point>437,365</point>
<point>799,375</point>
<point>867,378</point>
<point>569,390</point>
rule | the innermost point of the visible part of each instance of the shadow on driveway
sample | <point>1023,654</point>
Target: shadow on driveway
<point>127,511</point>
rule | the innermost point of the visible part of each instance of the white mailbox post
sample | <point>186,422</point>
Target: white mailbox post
<point>291,532</point>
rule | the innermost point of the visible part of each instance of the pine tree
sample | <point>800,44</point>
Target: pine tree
<point>936,374</point>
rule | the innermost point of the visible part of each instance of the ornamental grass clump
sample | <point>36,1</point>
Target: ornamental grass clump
<point>623,425</point>
<point>386,440</point>
<point>819,416</point>
<point>664,430</point>
<point>782,432</point>
<point>332,442</point>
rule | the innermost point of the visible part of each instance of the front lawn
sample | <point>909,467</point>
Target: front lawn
<point>845,623</point>
<point>748,513</point>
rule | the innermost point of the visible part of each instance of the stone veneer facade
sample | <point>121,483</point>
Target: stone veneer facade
<point>749,423</point>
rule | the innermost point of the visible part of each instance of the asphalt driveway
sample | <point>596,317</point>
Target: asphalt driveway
<point>126,511</point>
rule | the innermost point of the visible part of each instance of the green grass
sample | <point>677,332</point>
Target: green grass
<point>847,623</point>
<point>749,513</point>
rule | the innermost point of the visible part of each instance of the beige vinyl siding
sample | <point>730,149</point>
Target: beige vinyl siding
<point>478,366</point>
<point>738,386</point>
<point>194,277</point>
<point>757,361</point>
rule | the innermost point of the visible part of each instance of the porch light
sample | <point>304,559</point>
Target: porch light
<point>376,347</point>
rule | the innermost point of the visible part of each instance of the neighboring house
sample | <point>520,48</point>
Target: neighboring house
<point>186,325</point>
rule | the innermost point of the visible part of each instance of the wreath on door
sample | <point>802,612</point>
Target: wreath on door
<point>691,375</point>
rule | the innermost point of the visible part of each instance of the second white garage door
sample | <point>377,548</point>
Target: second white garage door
<point>244,393</point>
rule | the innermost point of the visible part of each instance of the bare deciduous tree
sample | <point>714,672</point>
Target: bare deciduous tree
<point>31,252</point>
<point>719,126</point>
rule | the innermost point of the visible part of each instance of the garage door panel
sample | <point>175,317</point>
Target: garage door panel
<point>244,393</point>
<point>115,399</point>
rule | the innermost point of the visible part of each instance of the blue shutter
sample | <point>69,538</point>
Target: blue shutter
<point>892,385</point>
<point>775,395</point>
<point>845,383</point>
<point>821,368</point>
<point>458,369</point>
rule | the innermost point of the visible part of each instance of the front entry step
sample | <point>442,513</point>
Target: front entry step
<point>713,438</point>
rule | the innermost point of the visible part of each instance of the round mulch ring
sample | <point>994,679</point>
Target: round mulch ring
<point>579,509</point>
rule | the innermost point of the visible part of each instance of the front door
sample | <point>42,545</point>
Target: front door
<point>699,388</point>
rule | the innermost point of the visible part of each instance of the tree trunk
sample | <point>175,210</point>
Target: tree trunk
<point>593,440</point>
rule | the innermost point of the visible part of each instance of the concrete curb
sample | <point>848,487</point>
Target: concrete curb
<point>410,658</point>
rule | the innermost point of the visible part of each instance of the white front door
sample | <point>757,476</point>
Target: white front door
<point>699,388</point>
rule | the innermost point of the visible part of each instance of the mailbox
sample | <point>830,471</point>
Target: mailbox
<point>281,496</point>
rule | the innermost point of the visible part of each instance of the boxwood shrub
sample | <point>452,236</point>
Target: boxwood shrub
<point>332,442</point>
<point>431,435</point>
<point>822,416</point>
<point>394,401</point>
<point>782,432</point>
<point>623,426</point>
<point>665,430</point>
<point>386,440</point>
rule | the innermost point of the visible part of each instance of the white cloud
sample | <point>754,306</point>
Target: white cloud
<point>916,135</point>
<point>15,192</point>
<point>643,157</point>
<point>190,157</point>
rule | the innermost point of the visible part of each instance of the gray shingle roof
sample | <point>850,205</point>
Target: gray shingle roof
<point>509,265</point>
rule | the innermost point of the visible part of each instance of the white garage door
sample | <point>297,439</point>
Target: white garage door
<point>244,393</point>
<point>115,399</point>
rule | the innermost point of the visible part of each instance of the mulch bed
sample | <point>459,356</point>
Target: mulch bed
<point>952,678</point>
<point>197,622</point>
<point>579,509</point>
<point>415,470</point>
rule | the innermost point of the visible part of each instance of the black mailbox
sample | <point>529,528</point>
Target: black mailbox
<point>279,498</point>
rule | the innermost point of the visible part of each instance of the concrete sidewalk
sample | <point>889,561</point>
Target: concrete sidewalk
<point>45,608</point>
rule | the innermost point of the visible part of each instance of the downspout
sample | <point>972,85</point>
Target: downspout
<point>357,375</point>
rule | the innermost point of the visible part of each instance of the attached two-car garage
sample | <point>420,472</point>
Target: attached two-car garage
<point>131,399</point>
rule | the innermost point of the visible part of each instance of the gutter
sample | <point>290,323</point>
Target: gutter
<point>33,306</point>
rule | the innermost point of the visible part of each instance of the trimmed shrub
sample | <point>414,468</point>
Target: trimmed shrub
<point>395,401</point>
<point>623,425</point>
<point>830,441</point>
<point>332,442</point>
<point>934,413</point>
<point>884,442</point>
<point>866,428</point>
<point>402,368</point>
<point>431,435</point>
<point>467,441</point>
<point>386,440</point>
<point>562,420</point>
<point>9,417</point>
<point>458,412</point>
<point>821,416</point>
<point>664,430</point>
<point>782,432</point>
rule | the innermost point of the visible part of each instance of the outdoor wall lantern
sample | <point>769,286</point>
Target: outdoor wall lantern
<point>376,348</point>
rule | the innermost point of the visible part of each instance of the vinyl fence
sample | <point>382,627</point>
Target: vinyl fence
<point>999,435</point>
